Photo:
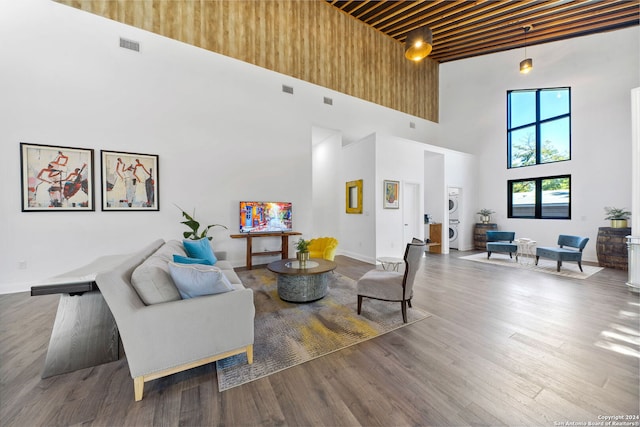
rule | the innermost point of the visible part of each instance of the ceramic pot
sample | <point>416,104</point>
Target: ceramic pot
<point>618,223</point>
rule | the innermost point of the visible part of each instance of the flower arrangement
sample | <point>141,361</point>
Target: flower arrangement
<point>194,226</point>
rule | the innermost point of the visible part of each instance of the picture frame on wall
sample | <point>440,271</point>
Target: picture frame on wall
<point>391,194</point>
<point>56,178</point>
<point>129,181</point>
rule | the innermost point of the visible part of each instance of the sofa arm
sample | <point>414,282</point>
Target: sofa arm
<point>166,335</point>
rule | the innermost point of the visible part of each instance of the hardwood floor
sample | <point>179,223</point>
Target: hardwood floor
<point>502,347</point>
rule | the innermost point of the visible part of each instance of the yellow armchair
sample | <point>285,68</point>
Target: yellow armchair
<point>323,247</point>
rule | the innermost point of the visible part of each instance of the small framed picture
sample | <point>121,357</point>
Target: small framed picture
<point>129,181</point>
<point>56,178</point>
<point>391,195</point>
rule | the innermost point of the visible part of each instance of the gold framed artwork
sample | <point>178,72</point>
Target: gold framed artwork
<point>353,193</point>
<point>391,194</point>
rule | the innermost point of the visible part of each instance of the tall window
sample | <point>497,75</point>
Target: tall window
<point>546,198</point>
<point>538,126</point>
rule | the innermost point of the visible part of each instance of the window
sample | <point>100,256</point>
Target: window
<point>538,126</point>
<point>545,198</point>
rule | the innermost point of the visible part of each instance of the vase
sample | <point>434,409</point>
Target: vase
<point>302,258</point>
<point>618,223</point>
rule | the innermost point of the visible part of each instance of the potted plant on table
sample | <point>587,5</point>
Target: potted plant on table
<point>303,251</point>
<point>485,215</point>
<point>617,216</point>
<point>194,226</point>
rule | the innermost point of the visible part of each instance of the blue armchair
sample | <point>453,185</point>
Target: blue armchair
<point>501,241</point>
<point>561,253</point>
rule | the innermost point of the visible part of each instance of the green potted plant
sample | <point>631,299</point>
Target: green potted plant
<point>194,226</point>
<point>617,216</point>
<point>485,215</point>
<point>303,251</point>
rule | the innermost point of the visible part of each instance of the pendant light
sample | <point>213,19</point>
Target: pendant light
<point>526,64</point>
<point>418,44</point>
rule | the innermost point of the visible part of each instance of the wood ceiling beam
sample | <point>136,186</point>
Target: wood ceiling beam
<point>549,36</point>
<point>462,36</point>
<point>538,30</point>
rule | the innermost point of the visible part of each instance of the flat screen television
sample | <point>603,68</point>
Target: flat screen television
<point>265,217</point>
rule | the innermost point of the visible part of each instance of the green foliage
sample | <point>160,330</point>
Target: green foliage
<point>617,213</point>
<point>303,245</point>
<point>194,226</point>
<point>525,151</point>
<point>485,212</point>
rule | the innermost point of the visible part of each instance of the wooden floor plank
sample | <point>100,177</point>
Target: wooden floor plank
<point>503,346</point>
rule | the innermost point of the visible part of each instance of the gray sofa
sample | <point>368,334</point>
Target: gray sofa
<point>163,334</point>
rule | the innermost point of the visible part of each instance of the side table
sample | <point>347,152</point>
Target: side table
<point>525,254</point>
<point>390,263</point>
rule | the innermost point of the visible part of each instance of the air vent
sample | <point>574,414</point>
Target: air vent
<point>129,44</point>
<point>412,125</point>
<point>287,89</point>
<point>328,100</point>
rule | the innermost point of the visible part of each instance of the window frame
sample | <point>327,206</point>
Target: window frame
<point>538,197</point>
<point>537,123</point>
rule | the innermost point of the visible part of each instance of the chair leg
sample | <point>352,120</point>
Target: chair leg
<point>359,303</point>
<point>138,388</point>
<point>409,303</point>
<point>404,310</point>
<point>488,254</point>
<point>580,265</point>
<point>510,255</point>
<point>559,265</point>
<point>537,258</point>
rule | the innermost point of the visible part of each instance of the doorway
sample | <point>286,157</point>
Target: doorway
<point>412,212</point>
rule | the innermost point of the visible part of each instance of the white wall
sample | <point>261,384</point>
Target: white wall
<point>357,231</point>
<point>327,188</point>
<point>601,71</point>
<point>223,129</point>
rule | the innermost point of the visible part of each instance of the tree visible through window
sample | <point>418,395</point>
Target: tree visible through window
<point>538,126</point>
<point>548,197</point>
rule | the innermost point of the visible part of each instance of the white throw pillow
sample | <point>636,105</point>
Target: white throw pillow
<point>194,280</point>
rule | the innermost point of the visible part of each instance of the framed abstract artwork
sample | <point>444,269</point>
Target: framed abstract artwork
<point>391,195</point>
<point>129,181</point>
<point>56,178</point>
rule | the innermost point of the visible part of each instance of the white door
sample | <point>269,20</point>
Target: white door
<point>412,212</point>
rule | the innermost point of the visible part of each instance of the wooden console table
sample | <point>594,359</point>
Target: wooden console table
<point>284,247</point>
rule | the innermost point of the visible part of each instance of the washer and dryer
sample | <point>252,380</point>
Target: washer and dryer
<point>454,217</point>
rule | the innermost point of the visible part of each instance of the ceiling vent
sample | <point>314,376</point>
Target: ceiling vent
<point>328,100</point>
<point>287,89</point>
<point>129,44</point>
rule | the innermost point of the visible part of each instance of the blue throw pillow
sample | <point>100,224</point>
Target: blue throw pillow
<point>179,259</point>
<point>194,280</point>
<point>200,249</point>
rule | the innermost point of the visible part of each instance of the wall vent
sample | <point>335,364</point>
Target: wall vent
<point>129,44</point>
<point>328,100</point>
<point>287,89</point>
<point>412,125</point>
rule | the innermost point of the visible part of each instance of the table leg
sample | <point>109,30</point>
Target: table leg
<point>84,334</point>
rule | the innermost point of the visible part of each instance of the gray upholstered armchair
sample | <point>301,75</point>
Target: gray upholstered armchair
<point>392,285</point>
<point>561,253</point>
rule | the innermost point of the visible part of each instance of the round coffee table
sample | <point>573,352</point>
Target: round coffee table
<point>297,284</point>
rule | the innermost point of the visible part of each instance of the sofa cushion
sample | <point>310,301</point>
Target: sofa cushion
<point>194,280</point>
<point>199,249</point>
<point>153,283</point>
<point>179,259</point>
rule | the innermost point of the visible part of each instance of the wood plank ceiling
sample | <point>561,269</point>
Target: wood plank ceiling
<point>463,29</point>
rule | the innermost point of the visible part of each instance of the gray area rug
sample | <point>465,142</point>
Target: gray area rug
<point>568,269</point>
<point>288,334</point>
